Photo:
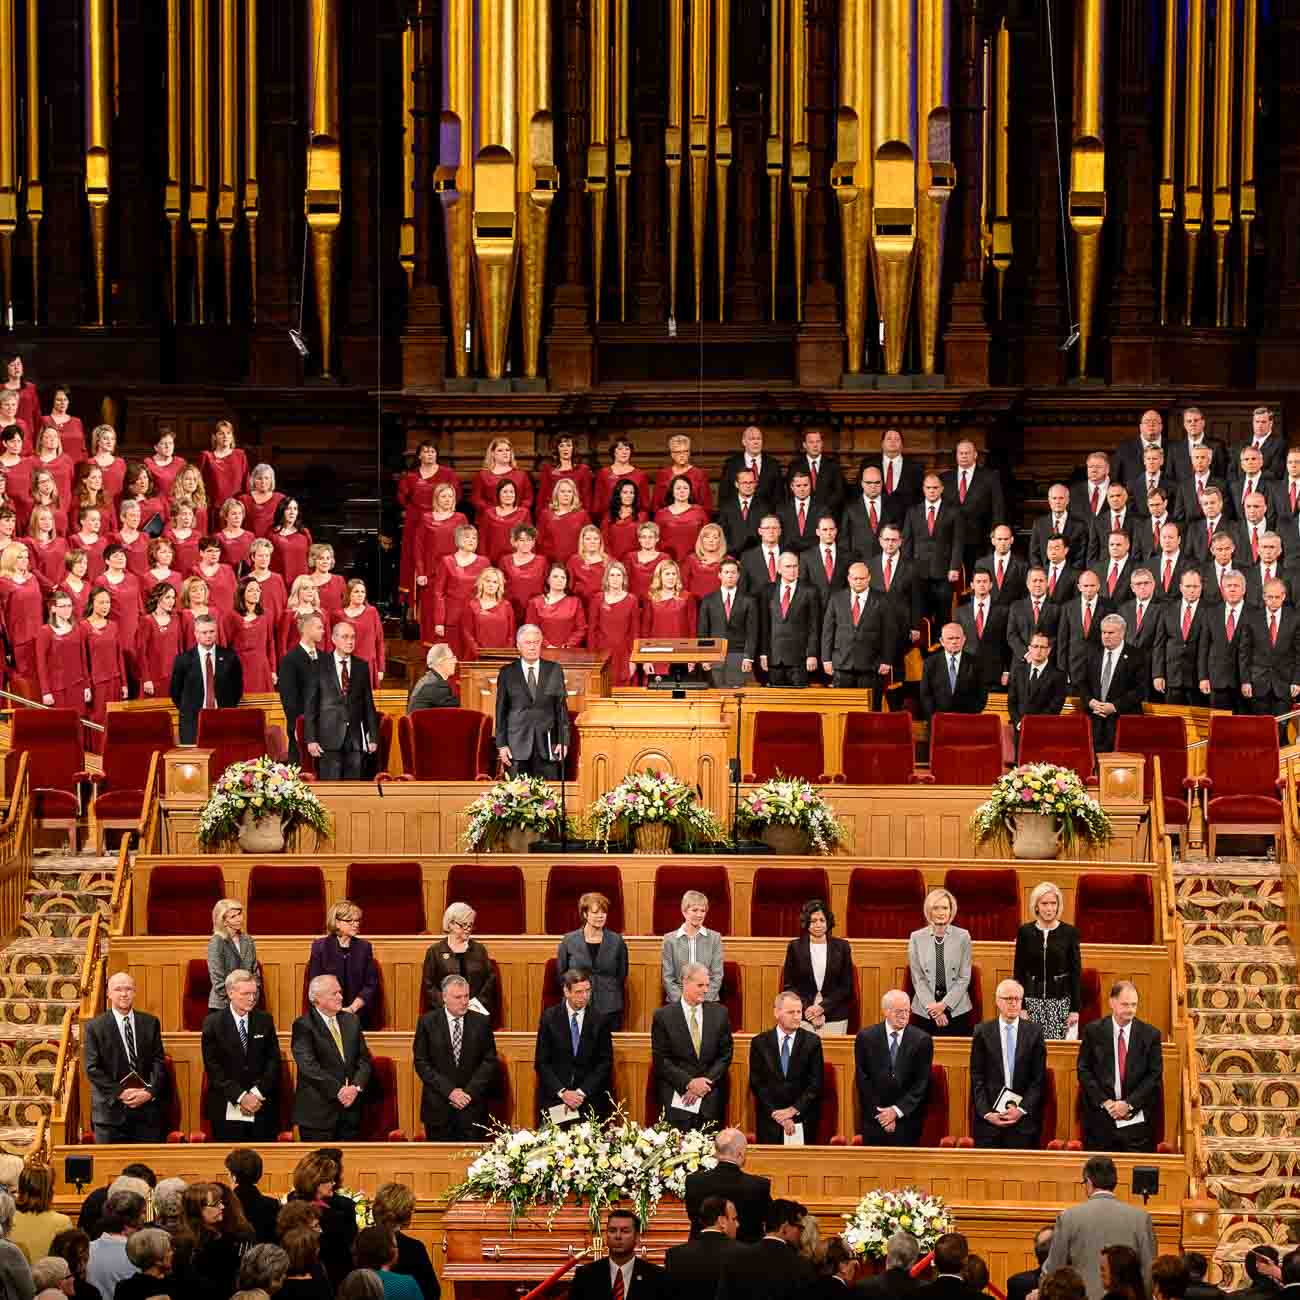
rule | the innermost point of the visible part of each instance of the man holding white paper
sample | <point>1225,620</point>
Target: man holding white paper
<point>786,1075</point>
<point>574,1057</point>
<point>1008,1066</point>
<point>691,1048</point>
<point>1120,1072</point>
<point>241,1057</point>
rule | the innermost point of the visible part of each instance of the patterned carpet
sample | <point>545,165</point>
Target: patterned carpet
<point>1245,1007</point>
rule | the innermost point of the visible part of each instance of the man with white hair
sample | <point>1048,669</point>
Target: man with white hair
<point>1008,1066</point>
<point>433,690</point>
<point>122,1055</point>
<point>52,1275</point>
<point>532,720</point>
<point>691,1047</point>
<point>1118,680</point>
<point>333,1063</point>
<point>892,1066</point>
<point>456,1061</point>
<point>241,1058</point>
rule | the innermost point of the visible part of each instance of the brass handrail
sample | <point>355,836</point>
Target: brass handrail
<point>36,704</point>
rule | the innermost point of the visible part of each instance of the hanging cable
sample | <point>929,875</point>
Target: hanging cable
<point>1073,336</point>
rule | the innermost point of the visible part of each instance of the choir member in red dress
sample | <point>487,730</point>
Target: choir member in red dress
<point>524,570</point>
<point>235,539</point>
<point>184,537</point>
<point>48,549</point>
<point>161,556</point>
<point>107,660</point>
<point>50,456</point>
<point>220,578</point>
<point>63,657</point>
<point>189,488</point>
<point>679,451</point>
<point>88,493</point>
<point>164,465</point>
<point>193,602</point>
<point>623,521</point>
<point>415,497</point>
<point>261,501</point>
<point>495,525</point>
<point>76,565</point>
<point>559,524</point>
<point>435,537</point>
<point>69,427</point>
<point>225,467</point>
<point>132,540</point>
<point>328,584</point>
<point>454,581</point>
<point>700,572</point>
<point>303,599</point>
<point>642,563</point>
<point>10,419</point>
<point>680,523</point>
<point>29,402</point>
<point>290,541</point>
<point>274,596</point>
<point>489,617</point>
<point>614,622</point>
<point>613,474</point>
<point>138,485</point>
<point>103,451</point>
<point>561,466</point>
<point>8,527</point>
<point>668,611</point>
<point>369,628</point>
<point>162,638</point>
<point>90,538</point>
<point>251,634</point>
<point>22,604</point>
<point>560,616</point>
<point>499,463</point>
<point>45,492</point>
<point>587,567</point>
<point>17,469</point>
<point>128,602</point>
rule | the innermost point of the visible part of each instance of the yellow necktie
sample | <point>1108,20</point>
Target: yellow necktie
<point>336,1036</point>
<point>695,1029</point>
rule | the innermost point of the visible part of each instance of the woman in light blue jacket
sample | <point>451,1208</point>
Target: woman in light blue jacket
<point>939,958</point>
<point>691,942</point>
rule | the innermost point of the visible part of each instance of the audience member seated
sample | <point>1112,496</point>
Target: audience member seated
<point>241,1058</point>
<point>1008,1063</point>
<point>245,1166</point>
<point>376,1250</point>
<point>456,1061</point>
<point>892,1068</point>
<point>305,1279</point>
<point>393,1208</point>
<point>229,949</point>
<point>1048,964</point>
<point>35,1225</point>
<point>316,1181</point>
<point>151,1251</point>
<point>263,1268</point>
<point>434,690</point>
<point>819,968</point>
<point>1120,1073</point>
<point>73,1247</point>
<point>786,1076</point>
<point>939,958</point>
<point>600,951</point>
<point>457,954</point>
<point>690,1052</point>
<point>52,1277</point>
<point>751,1194</point>
<point>1171,1278</point>
<point>349,958</point>
<point>574,1057</point>
<point>107,1263</point>
<point>333,1063</point>
<point>691,942</point>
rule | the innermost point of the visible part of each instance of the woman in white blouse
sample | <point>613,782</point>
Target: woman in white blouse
<point>819,969</point>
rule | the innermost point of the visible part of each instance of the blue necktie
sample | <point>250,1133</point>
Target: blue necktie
<point>1010,1030</point>
<point>893,1051</point>
<point>575,1031</point>
<point>785,1055</point>
<point>243,1033</point>
<point>952,673</point>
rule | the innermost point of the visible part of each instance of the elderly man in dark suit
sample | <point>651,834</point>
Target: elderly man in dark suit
<point>792,625</point>
<point>1019,1285</point>
<point>951,681</point>
<point>295,670</point>
<point>892,1062</point>
<point>769,477</point>
<point>1120,1072</point>
<point>456,1061</point>
<point>339,721</point>
<point>691,1049</point>
<point>333,1063</point>
<point>434,689</point>
<point>206,676</point>
<point>574,1056</point>
<point>786,1076</point>
<point>859,637</point>
<point>729,615</point>
<point>1117,681</point>
<point>623,1273</point>
<point>241,1057</point>
<point>1059,522</point>
<point>532,722</point>
<point>122,1056</point>
<point>896,1282</point>
<point>1008,1055</point>
<point>750,1194</point>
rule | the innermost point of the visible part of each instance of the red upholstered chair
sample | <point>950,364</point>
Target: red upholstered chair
<point>988,901</point>
<point>828,1122</point>
<point>732,993</point>
<point>376,1013</point>
<point>974,990</point>
<point>496,893</point>
<point>1089,996</point>
<point>566,883</point>
<point>171,1106</point>
<point>884,902</point>
<point>181,898</point>
<point>1047,1138</point>
<point>779,893</point>
<point>442,744</point>
<point>1241,781</point>
<point>1164,738</point>
<point>56,765</point>
<point>307,762</point>
<point>965,748</point>
<point>391,894</point>
<point>1065,740</point>
<point>502,1105</point>
<point>234,736</point>
<point>130,743</point>
<point>671,882</point>
<point>878,749</point>
<point>651,1095</point>
<point>194,996</point>
<point>1114,909</point>
<point>551,994</point>
<point>379,1122</point>
<point>285,900</point>
<point>788,744</point>
<point>935,1127</point>
<point>574,756</point>
<point>1156,1116</point>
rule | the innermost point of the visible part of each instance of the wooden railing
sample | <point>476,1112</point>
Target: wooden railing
<point>63,1113</point>
<point>120,900</point>
<point>16,851</point>
<point>151,809</point>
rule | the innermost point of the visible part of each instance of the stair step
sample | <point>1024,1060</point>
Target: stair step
<point>1249,997</point>
<point>57,925</point>
<point>40,987</point>
<point>1250,1090</point>
<point>1226,1055</point>
<point>1253,1022</point>
<point>1235,934</point>
<point>1236,910</point>
<point>1250,1123</point>
<point>29,1011</point>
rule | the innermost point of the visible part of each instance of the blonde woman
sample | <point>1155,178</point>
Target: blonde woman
<point>303,599</point>
<point>668,611</point>
<point>349,958</point>
<point>614,622</point>
<point>261,501</point>
<point>454,581</point>
<point>692,942</point>
<point>189,488</point>
<point>329,586</point>
<point>700,573</point>
<point>559,525</point>
<point>939,958</point>
<point>587,565</point>
<point>489,616</point>
<point>235,540</point>
<point>369,628</point>
<point>103,451</point>
<point>225,467</point>
<point>51,457</point>
<point>23,607</point>
<point>645,560</point>
<point>1048,963</point>
<point>499,463</point>
<point>229,949</point>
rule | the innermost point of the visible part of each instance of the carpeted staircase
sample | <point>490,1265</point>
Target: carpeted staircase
<point>1244,1005</point>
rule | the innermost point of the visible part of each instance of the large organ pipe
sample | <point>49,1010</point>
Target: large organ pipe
<point>1222,202</point>
<point>8,155</point>
<point>251,134</point>
<point>673,141</point>
<point>1193,146</point>
<point>851,175</point>
<point>200,199</point>
<point>598,152</point>
<point>324,196</point>
<point>775,142</point>
<point>698,140</point>
<point>35,190</point>
<point>1246,211</point>
<point>99,138</point>
<point>228,135</point>
<point>721,138</point>
<point>537,178</point>
<point>1168,149</point>
<point>454,176</point>
<point>797,134</point>
<point>406,235</point>
<point>937,175</point>
<point>1000,231</point>
<point>622,143</point>
<point>1087,199</point>
<point>172,203</point>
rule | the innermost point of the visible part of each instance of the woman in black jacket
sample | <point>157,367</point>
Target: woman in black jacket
<point>595,947</point>
<point>1048,964</point>
<point>457,954</point>
<point>819,969</point>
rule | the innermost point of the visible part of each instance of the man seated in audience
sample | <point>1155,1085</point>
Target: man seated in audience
<point>984,623</point>
<point>1176,660</point>
<point>1169,562</point>
<point>934,540</point>
<point>244,1166</point>
<point>1220,650</point>
<point>241,1058</point>
<point>891,1063</point>
<point>792,626</point>
<point>951,681</point>
<point>951,1253</point>
<point>1032,613</point>
<point>1079,629</point>
<point>1141,613</point>
<point>1113,572</point>
<point>92,1208</point>
<point>340,722</point>
<point>749,1193</point>
<point>107,1265</point>
<point>434,690</point>
<point>691,1048</point>
<point>456,1061</point>
<point>122,1055</point>
<point>1263,1272</point>
<point>1037,687</point>
<point>769,478</point>
<point>694,1265</point>
<point>773,1267</point>
<point>206,676</point>
<point>741,512</point>
<point>1126,465</point>
<point>1059,521</point>
<point>1008,1065</point>
<point>1116,682</point>
<point>1198,1288</point>
<point>1120,1072</point>
<point>1088,499</point>
<point>574,1057</point>
<point>786,1077</point>
<point>896,1282</point>
<point>295,670</point>
<point>1008,570</point>
<point>858,634</point>
<point>1269,656</point>
<point>1019,1285</point>
<point>333,1063</point>
<point>1115,518</point>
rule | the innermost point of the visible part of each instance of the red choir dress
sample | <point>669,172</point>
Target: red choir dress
<point>493,627</point>
<point>607,481</point>
<point>275,599</point>
<point>154,507</point>
<point>564,624</point>
<point>29,403</point>
<point>114,478</point>
<point>60,518</point>
<point>415,496</point>
<point>557,535</point>
<point>369,628</point>
<point>254,643</point>
<point>523,582</point>
<point>677,533</point>
<point>701,494</point>
<point>435,540</point>
<point>107,673</point>
<point>221,588</point>
<point>259,518</point>
<point>620,534</point>
<point>164,475</point>
<point>453,588</point>
<point>18,486</point>
<point>224,477</point>
<point>579,475</point>
<point>234,550</point>
<point>700,579</point>
<point>62,467</point>
<point>47,561</point>
<point>287,634</point>
<point>671,618</point>
<point>72,433</point>
<point>614,628</point>
<point>187,549</point>
<point>585,579</point>
<point>332,595</point>
<point>23,607</point>
<point>201,515</point>
<point>63,667</point>
<point>483,489</point>
<point>640,573</point>
<point>494,531</point>
<point>137,554</point>
<point>127,611</point>
<point>156,651</point>
<point>79,598</point>
<point>289,553</point>
<point>151,580</point>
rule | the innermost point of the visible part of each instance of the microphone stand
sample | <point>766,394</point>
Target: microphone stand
<point>735,789</point>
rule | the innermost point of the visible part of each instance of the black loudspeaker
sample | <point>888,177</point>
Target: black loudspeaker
<point>78,1170</point>
<point>1146,1181</point>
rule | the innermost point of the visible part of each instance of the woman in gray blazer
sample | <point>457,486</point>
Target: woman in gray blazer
<point>600,950</point>
<point>229,949</point>
<point>691,943</point>
<point>939,959</point>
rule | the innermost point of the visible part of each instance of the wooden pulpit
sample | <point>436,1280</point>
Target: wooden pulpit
<point>586,674</point>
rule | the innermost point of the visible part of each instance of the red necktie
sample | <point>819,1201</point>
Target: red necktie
<point>785,601</point>
<point>1002,568</point>
<point>1115,524</point>
<point>1038,605</point>
<point>1221,582</point>
<point>1209,532</point>
<point>771,567</point>
<point>961,488</point>
<point>1187,620</point>
<point>979,622</point>
<point>803,517</point>
<point>929,522</point>
<point>829,563</point>
<point>1113,579</point>
<point>618,1273</point>
<point>812,475</point>
<point>1051,583</point>
<point>209,680</point>
<point>889,481</point>
<point>726,604</point>
<point>1268,573</point>
<point>744,509</point>
<point>1094,501</point>
<point>857,609</point>
<point>1232,624</point>
<point>1087,620</point>
<point>1168,576</point>
<point>1254,544</point>
<point>889,571</point>
<point>1139,618</point>
<point>345,677</point>
<point>1155,536</point>
<point>1293,496</point>
<point>1122,1055</point>
<point>1272,629</point>
<point>875,520</point>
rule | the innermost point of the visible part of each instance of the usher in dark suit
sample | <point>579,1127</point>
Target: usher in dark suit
<point>233,1069</point>
<point>187,687</point>
<point>295,670</point>
<point>322,1072</point>
<point>768,1270</point>
<point>801,1087</point>
<point>558,1069</point>
<point>694,1266</point>
<point>525,724</point>
<point>341,725</point>
<point>106,1064</point>
<point>592,1282</point>
<point>987,1080</point>
<point>1143,1069</point>
<point>675,1061</point>
<point>749,1193</point>
<point>937,695</point>
<point>440,1072</point>
<point>905,1084</point>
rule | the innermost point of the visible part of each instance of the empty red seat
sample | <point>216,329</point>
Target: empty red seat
<point>53,741</point>
<point>732,993</point>
<point>965,748</point>
<point>233,735</point>
<point>131,741</point>
<point>1114,909</point>
<point>1164,738</point>
<point>884,903</point>
<point>495,892</point>
<point>1242,782</point>
<point>379,1121</point>
<point>285,900</point>
<point>567,882</point>
<point>194,997</point>
<point>551,994</point>
<point>988,901</point>
<point>442,744</point>
<point>1065,740</point>
<point>391,894</point>
<point>181,898</point>
<point>1089,996</point>
<point>779,894</point>
<point>787,744</point>
<point>671,882</point>
<point>878,749</point>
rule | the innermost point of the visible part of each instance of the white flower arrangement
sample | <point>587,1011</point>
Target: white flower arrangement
<point>791,801</point>
<point>264,788</point>
<point>595,1162</point>
<point>645,797</point>
<point>882,1213</point>
<point>1045,790</point>
<point>522,803</point>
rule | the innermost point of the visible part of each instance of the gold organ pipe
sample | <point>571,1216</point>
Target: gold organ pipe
<point>99,138</point>
<point>252,195</point>
<point>1168,149</point>
<point>722,136</point>
<point>172,209</point>
<point>598,155</point>
<point>775,143</point>
<point>8,153</point>
<point>698,140</point>
<point>228,162</point>
<point>673,140</point>
<point>622,142</point>
<point>323,201</point>
<point>1246,210</point>
<point>454,178</point>
<point>1193,146</point>
<point>1087,198</point>
<point>1222,202</point>
<point>893,225</point>
<point>986,150</point>
<point>536,175</point>
<point>406,235</point>
<point>1000,244</point>
<point>937,175</point>
<point>851,172</point>
<point>200,199</point>
<point>35,195</point>
<point>797,134</point>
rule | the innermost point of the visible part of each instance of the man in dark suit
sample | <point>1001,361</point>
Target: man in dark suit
<point>896,1282</point>
<point>750,1194</point>
<point>693,1266</point>
<point>1008,571</point>
<point>740,513</point>
<point>1079,629</point>
<point>241,1057</point>
<point>1117,517</point>
<point>1182,463</point>
<point>826,565</point>
<point>1088,499</point>
<point>1117,681</point>
<point>339,721</point>
<point>731,616</point>
<point>977,494</point>
<point>690,1051</point>
<point>1175,662</point>
<point>1198,1288</point>
<point>1251,526</point>
<point>1036,688</point>
<point>574,1056</point>
<point>638,1279</point>
<point>769,481</point>
<point>1019,1285</point>
<point>900,475</point>
<point>1007,1054</point>
<point>1206,508</point>
<point>1114,571</point>
<point>772,1268</point>
<point>791,625</point>
<point>934,540</point>
<point>799,515</point>
<point>950,1254</point>
<point>1154,484</point>
<point>1269,655</point>
<point>1285,492</point>
<point>1126,465</point>
<point>1059,522</point>
<point>894,578</point>
<point>891,1063</point>
<point>1270,567</point>
<point>828,486</point>
<point>985,624</point>
<point>758,565</point>
<point>1220,650</point>
<point>333,1063</point>
<point>456,1060</point>
<point>1248,477</point>
<point>1120,1072</point>
<point>532,723</point>
<point>122,1056</point>
<point>296,669</point>
<point>866,512</point>
<point>951,681</point>
<point>1271,446</point>
<point>1033,613</point>
<point>434,689</point>
<point>206,676</point>
<point>858,634</point>
<point>1141,614</point>
<point>1062,572</point>
<point>1170,562</point>
<point>786,1076</point>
